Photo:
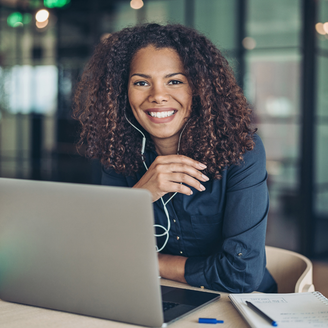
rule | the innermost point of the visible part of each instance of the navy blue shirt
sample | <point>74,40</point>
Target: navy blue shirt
<point>222,229</point>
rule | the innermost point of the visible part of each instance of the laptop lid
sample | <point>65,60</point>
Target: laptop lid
<point>75,248</point>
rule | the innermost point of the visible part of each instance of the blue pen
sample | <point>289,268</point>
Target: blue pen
<point>209,320</point>
<point>262,314</point>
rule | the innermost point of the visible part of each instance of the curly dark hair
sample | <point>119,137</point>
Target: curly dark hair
<point>218,132</point>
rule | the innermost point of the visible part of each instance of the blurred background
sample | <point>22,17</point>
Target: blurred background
<point>278,50</point>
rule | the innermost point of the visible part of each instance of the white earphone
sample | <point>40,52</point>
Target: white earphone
<point>166,230</point>
<point>143,146</point>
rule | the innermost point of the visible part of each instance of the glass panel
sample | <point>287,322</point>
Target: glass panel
<point>159,11</point>
<point>31,89</point>
<point>4,88</point>
<point>9,168</point>
<point>322,31</point>
<point>322,86</point>
<point>321,201</point>
<point>272,84</point>
<point>321,154</point>
<point>163,11</point>
<point>321,128</point>
<point>280,141</point>
<point>24,135</point>
<point>15,143</point>
<point>274,23</point>
<point>272,87</point>
<point>321,235</point>
<point>7,37</point>
<point>124,16</point>
<point>217,19</point>
<point>49,133</point>
<point>8,135</point>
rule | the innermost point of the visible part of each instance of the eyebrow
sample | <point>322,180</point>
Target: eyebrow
<point>149,77</point>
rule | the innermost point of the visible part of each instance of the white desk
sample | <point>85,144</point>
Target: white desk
<point>18,316</point>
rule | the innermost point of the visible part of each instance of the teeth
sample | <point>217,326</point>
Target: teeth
<point>161,114</point>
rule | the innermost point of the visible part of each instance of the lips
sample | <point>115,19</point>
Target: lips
<point>161,115</point>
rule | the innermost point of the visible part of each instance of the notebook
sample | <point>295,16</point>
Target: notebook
<point>85,249</point>
<point>298,310</point>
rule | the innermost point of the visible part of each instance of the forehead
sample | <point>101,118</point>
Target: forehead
<point>153,59</point>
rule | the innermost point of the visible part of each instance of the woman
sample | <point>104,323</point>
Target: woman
<point>159,106</point>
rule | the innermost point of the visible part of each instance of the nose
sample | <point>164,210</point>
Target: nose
<point>158,94</point>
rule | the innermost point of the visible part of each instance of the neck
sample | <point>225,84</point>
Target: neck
<point>166,147</point>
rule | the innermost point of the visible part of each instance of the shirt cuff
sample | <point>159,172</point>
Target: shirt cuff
<point>194,272</point>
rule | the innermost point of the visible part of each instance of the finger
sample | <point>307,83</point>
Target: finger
<point>189,170</point>
<point>180,159</point>
<point>180,188</point>
<point>187,180</point>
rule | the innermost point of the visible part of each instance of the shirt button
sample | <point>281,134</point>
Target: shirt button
<point>174,220</point>
<point>178,237</point>
<point>202,287</point>
<point>240,254</point>
<point>181,252</point>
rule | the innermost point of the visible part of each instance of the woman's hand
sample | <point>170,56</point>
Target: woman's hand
<point>167,173</point>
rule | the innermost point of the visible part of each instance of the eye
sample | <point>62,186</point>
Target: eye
<point>140,83</point>
<point>175,82</point>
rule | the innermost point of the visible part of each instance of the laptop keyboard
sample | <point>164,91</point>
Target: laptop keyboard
<point>169,305</point>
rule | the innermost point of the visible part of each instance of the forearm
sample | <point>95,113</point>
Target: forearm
<point>172,267</point>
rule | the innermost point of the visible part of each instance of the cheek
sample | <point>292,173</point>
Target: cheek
<point>135,99</point>
<point>130,97</point>
<point>134,104</point>
<point>187,101</point>
<point>183,97</point>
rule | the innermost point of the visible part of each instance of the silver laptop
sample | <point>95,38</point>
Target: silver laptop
<point>85,249</point>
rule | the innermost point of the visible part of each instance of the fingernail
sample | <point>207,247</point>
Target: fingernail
<point>202,187</point>
<point>201,165</point>
<point>191,192</point>
<point>205,177</point>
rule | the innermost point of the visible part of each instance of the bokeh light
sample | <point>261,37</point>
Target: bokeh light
<point>56,3</point>
<point>249,43</point>
<point>15,19</point>
<point>42,15</point>
<point>41,25</point>
<point>325,27</point>
<point>319,28</point>
<point>136,4</point>
<point>27,18</point>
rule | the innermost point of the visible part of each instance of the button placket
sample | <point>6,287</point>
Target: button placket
<point>177,224</point>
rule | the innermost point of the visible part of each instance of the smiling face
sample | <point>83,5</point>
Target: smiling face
<point>159,94</point>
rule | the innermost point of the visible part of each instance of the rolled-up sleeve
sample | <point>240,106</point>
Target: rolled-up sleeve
<point>239,263</point>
